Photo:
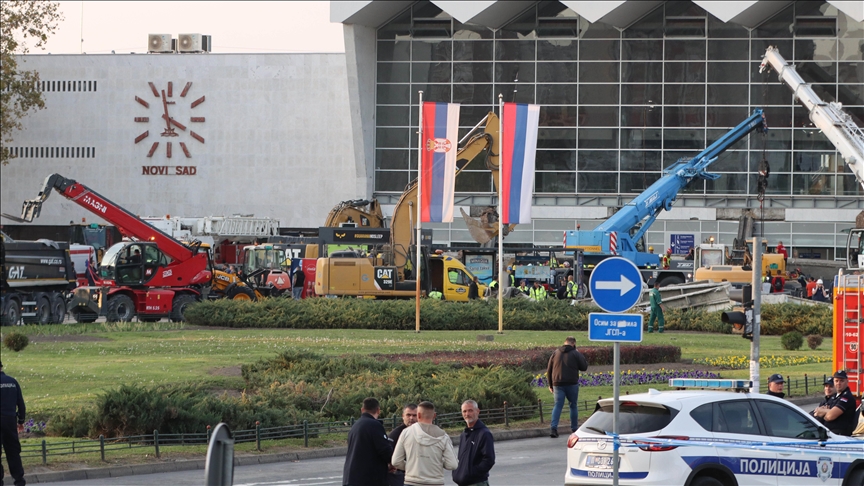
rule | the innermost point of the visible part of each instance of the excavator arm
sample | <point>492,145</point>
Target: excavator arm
<point>362,212</point>
<point>403,227</point>
<point>99,205</point>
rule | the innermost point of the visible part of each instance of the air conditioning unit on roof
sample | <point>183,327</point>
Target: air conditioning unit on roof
<point>159,43</point>
<point>189,43</point>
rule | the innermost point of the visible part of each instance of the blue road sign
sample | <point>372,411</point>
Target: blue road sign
<point>616,284</point>
<point>625,328</point>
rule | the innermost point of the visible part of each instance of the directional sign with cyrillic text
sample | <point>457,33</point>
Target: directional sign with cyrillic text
<point>615,327</point>
<point>616,284</point>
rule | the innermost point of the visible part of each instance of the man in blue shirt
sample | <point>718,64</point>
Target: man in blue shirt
<point>12,413</point>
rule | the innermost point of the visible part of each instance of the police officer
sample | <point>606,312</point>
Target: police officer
<point>11,423</point>
<point>775,385</point>
<point>830,391</point>
<point>839,413</point>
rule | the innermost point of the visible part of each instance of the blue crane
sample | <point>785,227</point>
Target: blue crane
<point>620,232</point>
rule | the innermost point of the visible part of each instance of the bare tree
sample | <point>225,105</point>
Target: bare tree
<point>23,23</point>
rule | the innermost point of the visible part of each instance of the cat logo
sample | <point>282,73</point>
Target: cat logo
<point>340,235</point>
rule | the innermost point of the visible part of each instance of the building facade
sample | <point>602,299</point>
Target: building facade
<point>626,89</point>
<point>267,135</point>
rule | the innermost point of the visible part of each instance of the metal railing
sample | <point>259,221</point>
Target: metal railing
<point>305,430</point>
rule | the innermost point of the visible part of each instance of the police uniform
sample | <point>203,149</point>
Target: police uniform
<point>10,400</point>
<point>844,424</point>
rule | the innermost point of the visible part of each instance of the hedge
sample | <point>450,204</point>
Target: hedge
<point>292,387</point>
<point>519,314</point>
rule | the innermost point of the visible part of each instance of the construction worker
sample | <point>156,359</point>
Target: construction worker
<point>667,258</point>
<point>493,285</point>
<point>571,288</point>
<point>436,294</point>
<point>538,293</point>
<point>656,309</point>
<point>525,289</point>
<point>512,276</point>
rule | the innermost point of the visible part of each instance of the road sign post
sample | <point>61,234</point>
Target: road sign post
<point>616,286</point>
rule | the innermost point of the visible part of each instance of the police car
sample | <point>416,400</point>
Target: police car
<point>711,438</point>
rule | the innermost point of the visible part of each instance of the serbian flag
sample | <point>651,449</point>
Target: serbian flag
<point>518,150</point>
<point>438,161</point>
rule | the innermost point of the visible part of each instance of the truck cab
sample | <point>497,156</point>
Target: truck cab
<point>450,276</point>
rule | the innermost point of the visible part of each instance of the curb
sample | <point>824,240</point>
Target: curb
<point>251,460</point>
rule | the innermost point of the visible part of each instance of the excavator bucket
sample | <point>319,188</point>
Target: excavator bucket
<point>481,232</point>
<point>485,228</point>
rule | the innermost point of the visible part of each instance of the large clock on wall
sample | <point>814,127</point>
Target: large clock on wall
<point>170,123</point>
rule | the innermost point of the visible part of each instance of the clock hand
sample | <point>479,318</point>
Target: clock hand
<point>177,124</point>
<point>165,106</point>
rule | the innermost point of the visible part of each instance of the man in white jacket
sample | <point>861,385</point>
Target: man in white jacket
<point>424,450</point>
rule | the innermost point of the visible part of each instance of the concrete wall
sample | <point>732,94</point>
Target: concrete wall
<point>277,136</point>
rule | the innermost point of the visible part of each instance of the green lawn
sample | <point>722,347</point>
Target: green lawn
<point>68,365</point>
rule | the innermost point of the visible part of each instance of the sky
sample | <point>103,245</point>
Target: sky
<point>244,27</point>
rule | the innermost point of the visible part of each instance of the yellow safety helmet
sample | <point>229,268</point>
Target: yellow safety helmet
<point>650,248</point>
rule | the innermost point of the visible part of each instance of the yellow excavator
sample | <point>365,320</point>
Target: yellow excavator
<point>388,273</point>
<point>361,212</point>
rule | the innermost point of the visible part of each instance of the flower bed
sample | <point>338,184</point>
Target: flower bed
<point>630,377</point>
<point>537,358</point>
<point>743,362</point>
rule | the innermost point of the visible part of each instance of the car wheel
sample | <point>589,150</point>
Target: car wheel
<point>856,478</point>
<point>12,312</point>
<point>58,309</point>
<point>706,481</point>
<point>178,307</point>
<point>121,308</point>
<point>240,292</point>
<point>84,317</point>
<point>671,280</point>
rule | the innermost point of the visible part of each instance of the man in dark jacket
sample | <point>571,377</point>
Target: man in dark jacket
<point>476,449</point>
<point>409,417</point>
<point>473,290</point>
<point>562,373</point>
<point>775,385</point>
<point>369,449</point>
<point>12,414</point>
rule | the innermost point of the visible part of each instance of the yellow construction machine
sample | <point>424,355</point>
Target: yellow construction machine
<point>388,271</point>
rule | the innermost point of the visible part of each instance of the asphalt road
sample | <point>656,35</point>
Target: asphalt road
<point>539,461</point>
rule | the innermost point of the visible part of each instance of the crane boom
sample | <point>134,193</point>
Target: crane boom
<point>835,123</point>
<point>628,225</point>
<point>105,209</point>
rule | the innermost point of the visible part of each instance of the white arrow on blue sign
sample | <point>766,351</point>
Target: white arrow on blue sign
<point>616,284</point>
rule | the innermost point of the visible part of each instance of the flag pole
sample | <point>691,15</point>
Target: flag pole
<point>419,214</point>
<point>500,217</point>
